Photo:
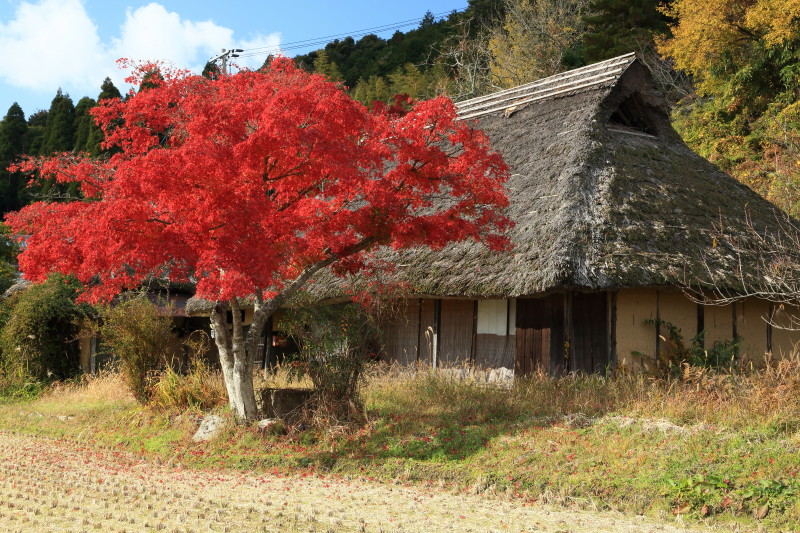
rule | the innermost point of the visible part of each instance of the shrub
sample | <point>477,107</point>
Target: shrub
<point>8,255</point>
<point>197,388</point>
<point>334,342</point>
<point>141,339</point>
<point>39,330</point>
<point>676,354</point>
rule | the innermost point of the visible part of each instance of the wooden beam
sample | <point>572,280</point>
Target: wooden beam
<point>437,327</point>
<point>701,323</point>
<point>770,313</point>
<point>419,328</point>
<point>612,328</point>
<point>474,346</point>
<point>569,351</point>
<point>658,328</point>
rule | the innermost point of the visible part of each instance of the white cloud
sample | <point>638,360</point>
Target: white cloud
<point>54,43</point>
<point>153,33</point>
<point>49,44</point>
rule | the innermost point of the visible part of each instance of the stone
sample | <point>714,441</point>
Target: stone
<point>458,373</point>
<point>501,375</point>
<point>272,426</point>
<point>284,404</point>
<point>209,428</point>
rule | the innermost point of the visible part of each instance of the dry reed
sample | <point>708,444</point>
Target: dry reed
<point>766,397</point>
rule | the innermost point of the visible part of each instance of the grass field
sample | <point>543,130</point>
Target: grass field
<point>708,448</point>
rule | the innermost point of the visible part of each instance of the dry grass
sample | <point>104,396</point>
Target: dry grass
<point>201,388</point>
<point>98,391</point>
<point>737,400</point>
<point>763,399</point>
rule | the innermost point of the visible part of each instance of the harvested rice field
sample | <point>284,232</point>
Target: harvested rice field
<point>58,485</point>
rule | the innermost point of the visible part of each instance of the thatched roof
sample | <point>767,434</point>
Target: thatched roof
<point>604,194</point>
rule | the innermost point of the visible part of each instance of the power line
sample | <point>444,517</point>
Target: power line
<point>317,41</point>
<point>381,29</point>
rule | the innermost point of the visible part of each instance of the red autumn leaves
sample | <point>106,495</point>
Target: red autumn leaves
<point>240,183</point>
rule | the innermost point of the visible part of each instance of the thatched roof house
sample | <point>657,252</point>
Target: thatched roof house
<point>611,209</point>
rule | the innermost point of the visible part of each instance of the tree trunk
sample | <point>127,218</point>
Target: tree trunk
<point>222,339</point>
<point>235,360</point>
<point>237,353</point>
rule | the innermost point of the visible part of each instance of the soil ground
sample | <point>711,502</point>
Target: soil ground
<point>58,485</point>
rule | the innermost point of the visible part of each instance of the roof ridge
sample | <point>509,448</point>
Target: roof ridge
<point>590,76</point>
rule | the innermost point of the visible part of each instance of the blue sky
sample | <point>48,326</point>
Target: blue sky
<point>73,44</point>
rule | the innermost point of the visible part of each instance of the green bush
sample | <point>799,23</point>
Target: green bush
<point>722,355</point>
<point>334,342</point>
<point>8,256</point>
<point>38,332</point>
<point>141,339</point>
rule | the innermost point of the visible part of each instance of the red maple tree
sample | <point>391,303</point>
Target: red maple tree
<point>247,185</point>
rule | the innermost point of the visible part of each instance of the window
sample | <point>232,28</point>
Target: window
<point>496,317</point>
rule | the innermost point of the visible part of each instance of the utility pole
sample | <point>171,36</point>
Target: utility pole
<point>224,58</point>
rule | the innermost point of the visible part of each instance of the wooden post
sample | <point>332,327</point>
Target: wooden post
<point>612,329</point>
<point>437,326</point>
<point>701,323</point>
<point>266,338</point>
<point>770,314</point>
<point>419,327</point>
<point>569,349</point>
<point>658,329</point>
<point>474,347</point>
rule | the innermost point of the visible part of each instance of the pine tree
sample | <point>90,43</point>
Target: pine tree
<point>84,123</point>
<point>428,20</point>
<point>13,133</point>
<point>374,89</point>
<point>108,90</point>
<point>58,136</point>
<point>59,132</point>
<point>35,137</point>
<point>211,70</point>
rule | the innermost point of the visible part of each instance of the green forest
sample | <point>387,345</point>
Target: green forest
<point>730,69</point>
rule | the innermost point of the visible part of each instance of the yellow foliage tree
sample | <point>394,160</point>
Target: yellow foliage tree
<point>710,32</point>
<point>743,55</point>
<point>534,38</point>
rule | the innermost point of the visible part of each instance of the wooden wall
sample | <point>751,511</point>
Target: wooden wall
<point>456,332</point>
<point>495,344</point>
<point>444,332</point>
<point>590,335</point>
<point>634,336</point>
<point>784,341</point>
<point>638,342</point>
<point>540,335</point>
<point>574,331</point>
<point>401,335</point>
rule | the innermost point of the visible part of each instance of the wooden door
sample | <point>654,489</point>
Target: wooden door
<point>457,325</point>
<point>590,351</point>
<point>540,334</point>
